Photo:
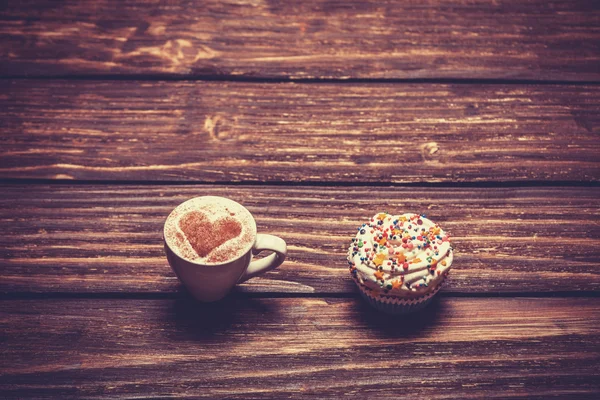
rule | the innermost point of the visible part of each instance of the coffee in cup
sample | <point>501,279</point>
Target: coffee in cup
<point>209,243</point>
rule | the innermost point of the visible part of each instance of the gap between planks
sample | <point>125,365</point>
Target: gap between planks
<point>325,184</point>
<point>237,294</point>
<point>250,79</point>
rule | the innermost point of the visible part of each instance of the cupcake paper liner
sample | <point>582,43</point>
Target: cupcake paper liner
<point>396,305</point>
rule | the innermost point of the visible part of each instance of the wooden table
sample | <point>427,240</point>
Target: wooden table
<point>315,115</point>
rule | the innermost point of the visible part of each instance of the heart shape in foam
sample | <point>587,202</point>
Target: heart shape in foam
<point>205,235</point>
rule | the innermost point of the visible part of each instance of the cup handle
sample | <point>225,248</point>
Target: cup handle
<point>265,242</point>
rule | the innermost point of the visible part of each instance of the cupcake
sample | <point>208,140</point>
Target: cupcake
<point>399,262</point>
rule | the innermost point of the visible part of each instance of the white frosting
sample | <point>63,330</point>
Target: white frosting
<point>400,254</point>
<point>214,208</point>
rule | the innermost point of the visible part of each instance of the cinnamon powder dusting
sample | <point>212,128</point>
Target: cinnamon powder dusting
<point>205,236</point>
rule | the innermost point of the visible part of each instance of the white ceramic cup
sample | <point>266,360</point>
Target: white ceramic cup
<point>211,282</point>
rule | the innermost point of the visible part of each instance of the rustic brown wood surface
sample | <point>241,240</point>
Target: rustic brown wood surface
<point>96,238</point>
<point>299,132</point>
<point>325,348</point>
<point>536,39</point>
<point>484,115</point>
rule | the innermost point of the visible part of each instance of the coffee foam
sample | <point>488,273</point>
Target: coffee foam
<point>218,221</point>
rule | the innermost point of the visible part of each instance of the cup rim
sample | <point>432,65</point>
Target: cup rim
<point>202,264</point>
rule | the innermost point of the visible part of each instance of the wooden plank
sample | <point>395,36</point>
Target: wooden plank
<point>87,238</point>
<point>325,348</point>
<point>536,39</point>
<point>217,132</point>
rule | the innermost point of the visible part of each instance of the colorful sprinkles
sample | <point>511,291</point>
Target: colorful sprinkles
<point>400,253</point>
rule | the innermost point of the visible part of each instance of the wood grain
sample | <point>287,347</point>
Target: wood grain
<point>95,239</point>
<point>537,39</point>
<point>250,348</point>
<point>220,132</point>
